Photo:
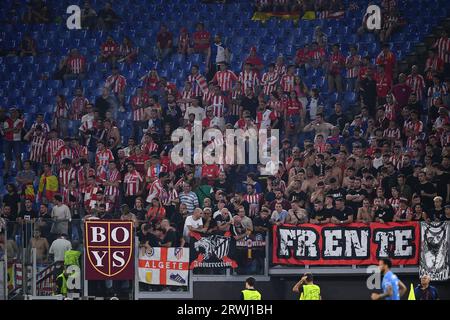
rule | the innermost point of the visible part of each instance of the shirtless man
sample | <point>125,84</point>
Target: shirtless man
<point>41,246</point>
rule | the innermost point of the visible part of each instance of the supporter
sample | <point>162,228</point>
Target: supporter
<point>184,42</point>
<point>107,17</point>
<point>335,65</point>
<point>193,223</point>
<point>164,43</point>
<point>127,51</point>
<point>88,16</point>
<point>109,51</point>
<point>342,213</point>
<point>201,39</point>
<point>383,211</point>
<point>442,45</point>
<point>279,215</point>
<point>116,83</point>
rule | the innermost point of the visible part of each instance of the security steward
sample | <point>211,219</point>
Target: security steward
<point>61,283</point>
<point>250,293</point>
<point>307,289</point>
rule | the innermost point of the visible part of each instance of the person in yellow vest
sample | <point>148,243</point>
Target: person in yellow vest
<point>250,293</point>
<point>72,256</point>
<point>307,289</point>
<point>61,283</point>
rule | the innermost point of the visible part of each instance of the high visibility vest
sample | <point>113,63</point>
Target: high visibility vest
<point>251,294</point>
<point>310,292</point>
<point>71,257</point>
<point>63,289</point>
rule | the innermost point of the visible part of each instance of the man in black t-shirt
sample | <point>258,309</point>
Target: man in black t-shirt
<point>383,212</point>
<point>343,214</point>
<point>319,215</point>
<point>426,191</point>
<point>356,195</point>
<point>170,238</point>
<point>335,191</point>
<point>261,223</point>
<point>147,236</point>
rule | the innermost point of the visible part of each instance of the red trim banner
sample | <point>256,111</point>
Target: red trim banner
<point>109,250</point>
<point>351,244</point>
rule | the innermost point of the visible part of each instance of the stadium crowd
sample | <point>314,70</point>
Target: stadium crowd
<point>384,159</point>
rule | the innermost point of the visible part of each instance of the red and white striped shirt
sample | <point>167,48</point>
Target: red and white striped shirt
<point>249,79</point>
<point>132,183</point>
<point>64,152</point>
<point>156,190</point>
<point>61,110</point>
<point>198,83</point>
<point>154,171</point>
<point>253,198</point>
<point>150,147</point>
<point>207,95</point>
<point>392,133</point>
<point>416,127</point>
<point>353,72</point>
<point>66,193</point>
<point>52,147</point>
<point>112,176</point>
<point>64,176</point>
<point>138,104</point>
<point>443,48</point>
<point>434,91</point>
<point>225,79</point>
<point>37,149</point>
<point>269,81</point>
<point>45,128</point>
<point>236,95</point>
<point>186,95</point>
<point>391,110</point>
<point>77,107</point>
<point>280,69</point>
<point>395,203</point>
<point>102,158</point>
<point>218,104</point>
<point>116,83</point>
<point>433,65</point>
<point>82,176</point>
<point>417,84</point>
<point>287,83</point>
<point>77,64</point>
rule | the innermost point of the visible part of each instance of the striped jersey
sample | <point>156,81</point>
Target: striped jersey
<point>225,79</point>
<point>269,81</point>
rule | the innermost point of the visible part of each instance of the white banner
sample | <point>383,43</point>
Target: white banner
<point>164,266</point>
<point>434,257</point>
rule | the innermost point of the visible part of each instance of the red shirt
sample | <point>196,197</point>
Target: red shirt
<point>388,61</point>
<point>293,107</point>
<point>401,92</point>
<point>164,38</point>
<point>201,36</point>
<point>383,85</point>
<point>109,48</point>
<point>210,171</point>
<point>139,162</point>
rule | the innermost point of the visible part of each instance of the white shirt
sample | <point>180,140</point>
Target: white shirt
<point>377,162</point>
<point>220,57</point>
<point>59,248</point>
<point>199,113</point>
<point>193,223</point>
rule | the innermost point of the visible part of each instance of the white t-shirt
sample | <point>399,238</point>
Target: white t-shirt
<point>59,248</point>
<point>199,113</point>
<point>193,223</point>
